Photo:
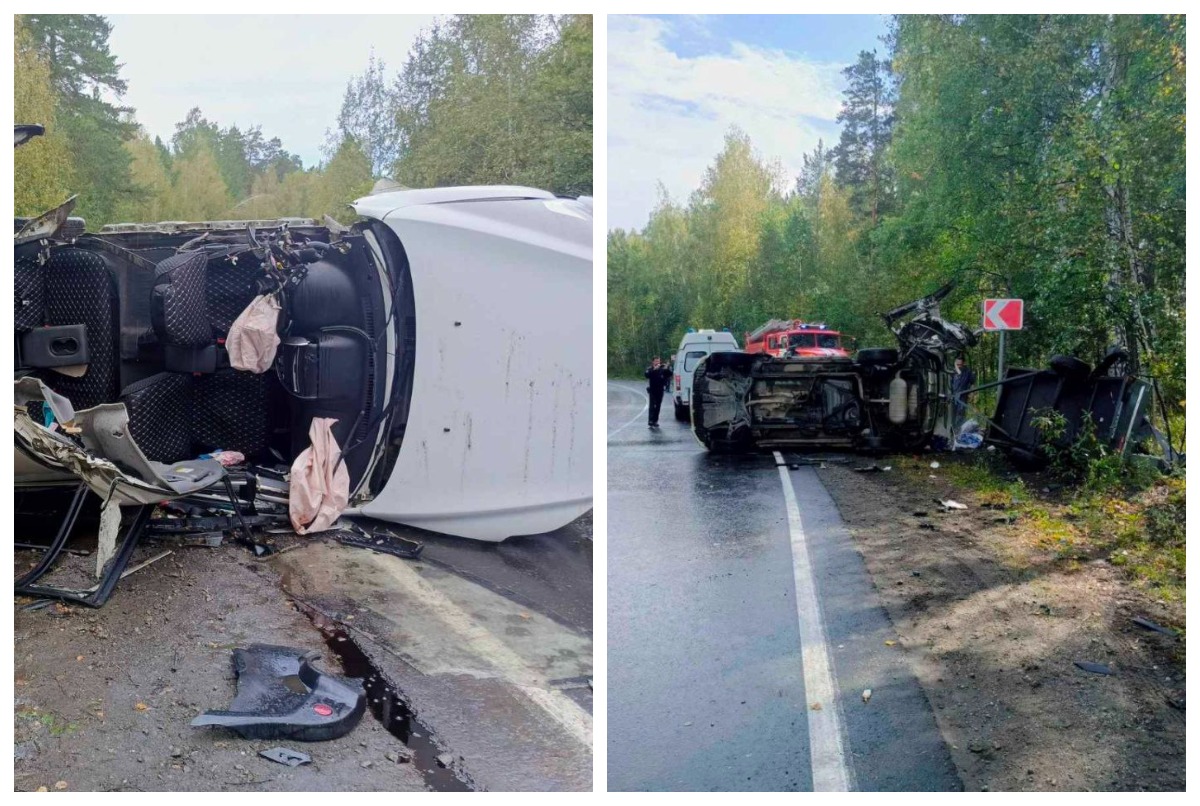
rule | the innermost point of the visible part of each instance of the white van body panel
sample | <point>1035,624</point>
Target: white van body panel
<point>708,341</point>
<point>499,435</point>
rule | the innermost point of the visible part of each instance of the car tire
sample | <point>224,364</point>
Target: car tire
<point>878,355</point>
<point>1111,358</point>
<point>682,413</point>
<point>1070,367</point>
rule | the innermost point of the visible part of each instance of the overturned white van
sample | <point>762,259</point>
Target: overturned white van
<point>442,334</point>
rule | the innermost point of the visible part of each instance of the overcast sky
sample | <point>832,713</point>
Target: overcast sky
<point>676,85</point>
<point>286,73</point>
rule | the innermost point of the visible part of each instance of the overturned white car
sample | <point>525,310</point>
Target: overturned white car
<point>442,335</point>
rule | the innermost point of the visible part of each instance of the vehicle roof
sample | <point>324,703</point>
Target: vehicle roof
<point>378,205</point>
<point>708,335</point>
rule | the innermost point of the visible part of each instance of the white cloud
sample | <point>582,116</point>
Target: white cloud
<point>668,114</point>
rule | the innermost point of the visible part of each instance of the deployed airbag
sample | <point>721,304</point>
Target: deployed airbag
<point>254,336</point>
<point>320,483</point>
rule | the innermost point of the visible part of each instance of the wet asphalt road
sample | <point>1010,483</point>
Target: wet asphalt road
<point>706,681</point>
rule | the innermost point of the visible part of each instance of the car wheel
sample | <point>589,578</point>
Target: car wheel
<point>1111,358</point>
<point>682,413</point>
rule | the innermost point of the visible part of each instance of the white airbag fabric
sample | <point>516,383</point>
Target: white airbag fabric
<point>254,336</point>
<point>318,493</point>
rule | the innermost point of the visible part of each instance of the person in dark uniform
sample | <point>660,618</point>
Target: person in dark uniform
<point>964,379</point>
<point>659,378</point>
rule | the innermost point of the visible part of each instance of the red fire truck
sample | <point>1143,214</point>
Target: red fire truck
<point>791,338</point>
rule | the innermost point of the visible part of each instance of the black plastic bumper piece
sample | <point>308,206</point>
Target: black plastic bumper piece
<point>281,695</point>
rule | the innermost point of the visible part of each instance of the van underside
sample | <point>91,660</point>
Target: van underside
<point>754,401</point>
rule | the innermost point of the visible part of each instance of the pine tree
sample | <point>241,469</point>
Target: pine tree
<point>42,167</point>
<point>82,67</point>
<point>867,120</point>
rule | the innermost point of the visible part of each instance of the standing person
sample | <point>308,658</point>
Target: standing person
<point>964,379</point>
<point>659,378</point>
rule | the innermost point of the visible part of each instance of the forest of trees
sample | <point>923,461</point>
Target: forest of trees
<point>1039,157</point>
<point>496,99</point>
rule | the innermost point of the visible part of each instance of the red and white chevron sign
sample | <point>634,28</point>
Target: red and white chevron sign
<point>1003,314</point>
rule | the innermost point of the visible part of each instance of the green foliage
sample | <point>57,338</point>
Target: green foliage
<point>1084,459</point>
<point>42,167</point>
<point>482,99</point>
<point>497,99</point>
<point>1040,157</point>
<point>740,252</point>
<point>368,116</point>
<point>151,182</point>
<point>345,178</point>
<point>198,192</point>
<point>75,49</point>
<point>867,118</point>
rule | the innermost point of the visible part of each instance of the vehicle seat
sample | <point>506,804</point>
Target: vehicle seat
<point>197,405</point>
<point>230,288</point>
<point>79,289</point>
<point>179,313</point>
<point>30,290</point>
<point>230,412</point>
<point>160,412</point>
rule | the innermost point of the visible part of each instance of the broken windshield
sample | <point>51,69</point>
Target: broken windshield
<point>826,340</point>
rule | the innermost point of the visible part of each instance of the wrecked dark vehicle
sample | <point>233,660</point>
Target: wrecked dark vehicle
<point>1115,407</point>
<point>900,399</point>
<point>881,399</point>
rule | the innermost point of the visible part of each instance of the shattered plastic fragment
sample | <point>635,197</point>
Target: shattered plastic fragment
<point>284,755</point>
<point>282,696</point>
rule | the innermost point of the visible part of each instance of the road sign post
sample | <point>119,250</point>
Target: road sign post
<point>1003,315</point>
<point>1000,361</point>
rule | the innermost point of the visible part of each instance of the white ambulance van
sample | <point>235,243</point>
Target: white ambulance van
<point>695,346</point>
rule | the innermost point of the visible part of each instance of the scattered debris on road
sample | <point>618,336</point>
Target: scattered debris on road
<point>866,695</point>
<point>281,695</point>
<point>284,755</point>
<point>1094,668</point>
<point>1147,624</point>
<point>378,539</point>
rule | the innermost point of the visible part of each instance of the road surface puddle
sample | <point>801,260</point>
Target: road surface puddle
<point>388,707</point>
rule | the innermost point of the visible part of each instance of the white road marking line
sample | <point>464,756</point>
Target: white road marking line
<point>636,417</point>
<point>569,715</point>
<point>828,756</point>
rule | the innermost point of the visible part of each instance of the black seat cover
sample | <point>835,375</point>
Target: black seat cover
<point>193,407</point>
<point>179,310</point>
<point>230,288</point>
<point>230,412</point>
<point>30,289</point>
<point>160,409</point>
<point>80,289</point>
